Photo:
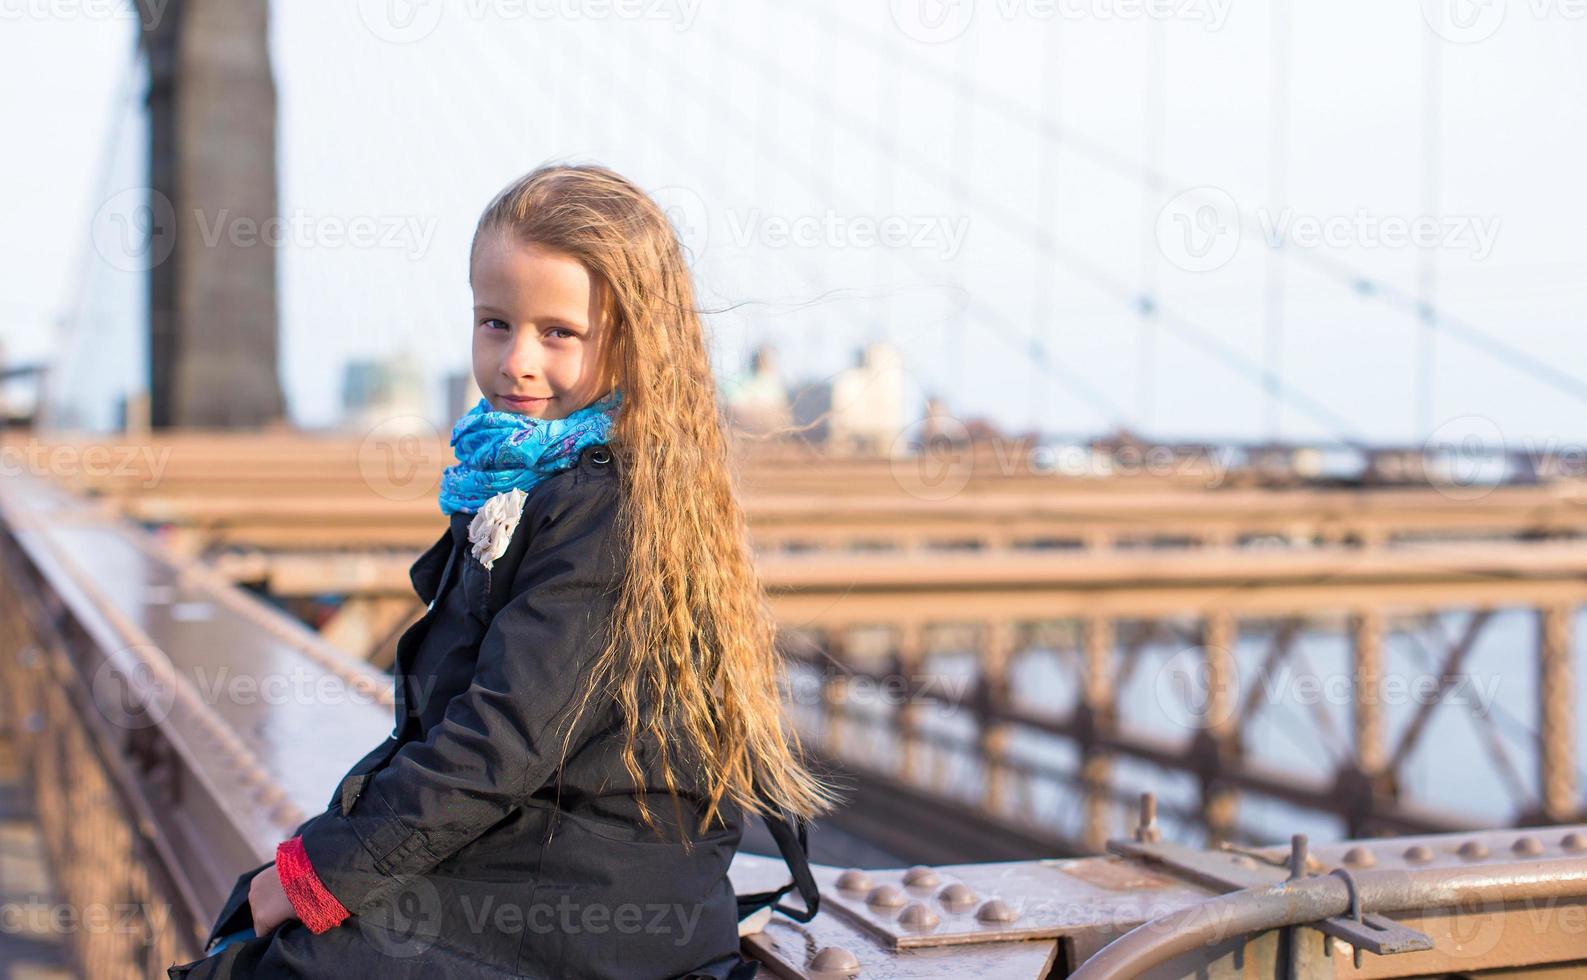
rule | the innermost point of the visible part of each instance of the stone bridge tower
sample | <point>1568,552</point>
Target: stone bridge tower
<point>212,162</point>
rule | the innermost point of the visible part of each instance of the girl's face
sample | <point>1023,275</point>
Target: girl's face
<point>539,330</point>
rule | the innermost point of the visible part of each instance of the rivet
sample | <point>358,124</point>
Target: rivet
<point>1146,831</point>
<point>1527,846</point>
<point>996,910</point>
<point>835,959</point>
<point>1297,856</point>
<point>1573,841</point>
<point>917,916</point>
<point>957,893</point>
<point>854,880</point>
<point>1418,854</point>
<point>886,896</point>
<point>1474,850</point>
<point>267,794</point>
<point>1360,857</point>
<point>921,876</point>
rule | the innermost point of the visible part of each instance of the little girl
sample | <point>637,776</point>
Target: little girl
<point>589,708</point>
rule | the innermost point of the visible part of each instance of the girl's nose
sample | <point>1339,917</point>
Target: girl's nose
<point>523,356</point>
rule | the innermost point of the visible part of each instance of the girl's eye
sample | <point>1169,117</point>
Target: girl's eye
<point>489,322</point>
<point>563,330</point>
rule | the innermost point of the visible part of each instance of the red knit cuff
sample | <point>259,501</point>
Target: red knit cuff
<point>316,906</point>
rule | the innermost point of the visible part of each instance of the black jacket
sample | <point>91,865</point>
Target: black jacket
<point>457,844</point>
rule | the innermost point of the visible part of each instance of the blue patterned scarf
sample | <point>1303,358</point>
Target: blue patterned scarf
<point>497,451</point>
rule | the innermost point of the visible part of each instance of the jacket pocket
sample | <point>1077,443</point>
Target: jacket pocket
<point>352,783</point>
<point>476,581</point>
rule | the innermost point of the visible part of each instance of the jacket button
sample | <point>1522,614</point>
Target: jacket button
<point>600,456</point>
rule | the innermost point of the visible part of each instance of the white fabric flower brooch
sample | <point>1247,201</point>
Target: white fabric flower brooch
<point>491,529</point>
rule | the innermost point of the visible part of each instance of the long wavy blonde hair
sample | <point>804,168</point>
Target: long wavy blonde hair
<point>690,655</point>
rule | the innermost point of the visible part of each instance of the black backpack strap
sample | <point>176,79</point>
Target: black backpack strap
<point>794,844</point>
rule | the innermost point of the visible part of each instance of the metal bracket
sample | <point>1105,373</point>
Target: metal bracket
<point>1232,871</point>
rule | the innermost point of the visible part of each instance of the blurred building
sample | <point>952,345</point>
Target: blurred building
<point>7,401</point>
<point>757,402</point>
<point>939,423</point>
<point>385,392</point>
<point>462,394</point>
<point>861,409</point>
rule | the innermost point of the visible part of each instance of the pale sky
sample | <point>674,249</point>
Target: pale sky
<point>767,130</point>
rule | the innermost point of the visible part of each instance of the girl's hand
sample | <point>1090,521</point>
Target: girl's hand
<point>269,901</point>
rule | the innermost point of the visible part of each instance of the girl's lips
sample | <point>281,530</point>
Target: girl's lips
<point>524,401</point>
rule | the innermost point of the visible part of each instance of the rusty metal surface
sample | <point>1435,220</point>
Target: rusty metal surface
<point>1461,850</point>
<point>231,722</point>
<point>1113,552</point>
<point>313,490</point>
<point>261,686</point>
<point>977,903</point>
<point>1314,898</point>
<point>1485,936</point>
<point>1226,871</point>
<point>1307,572</point>
<point>797,951</point>
<point>111,602</point>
